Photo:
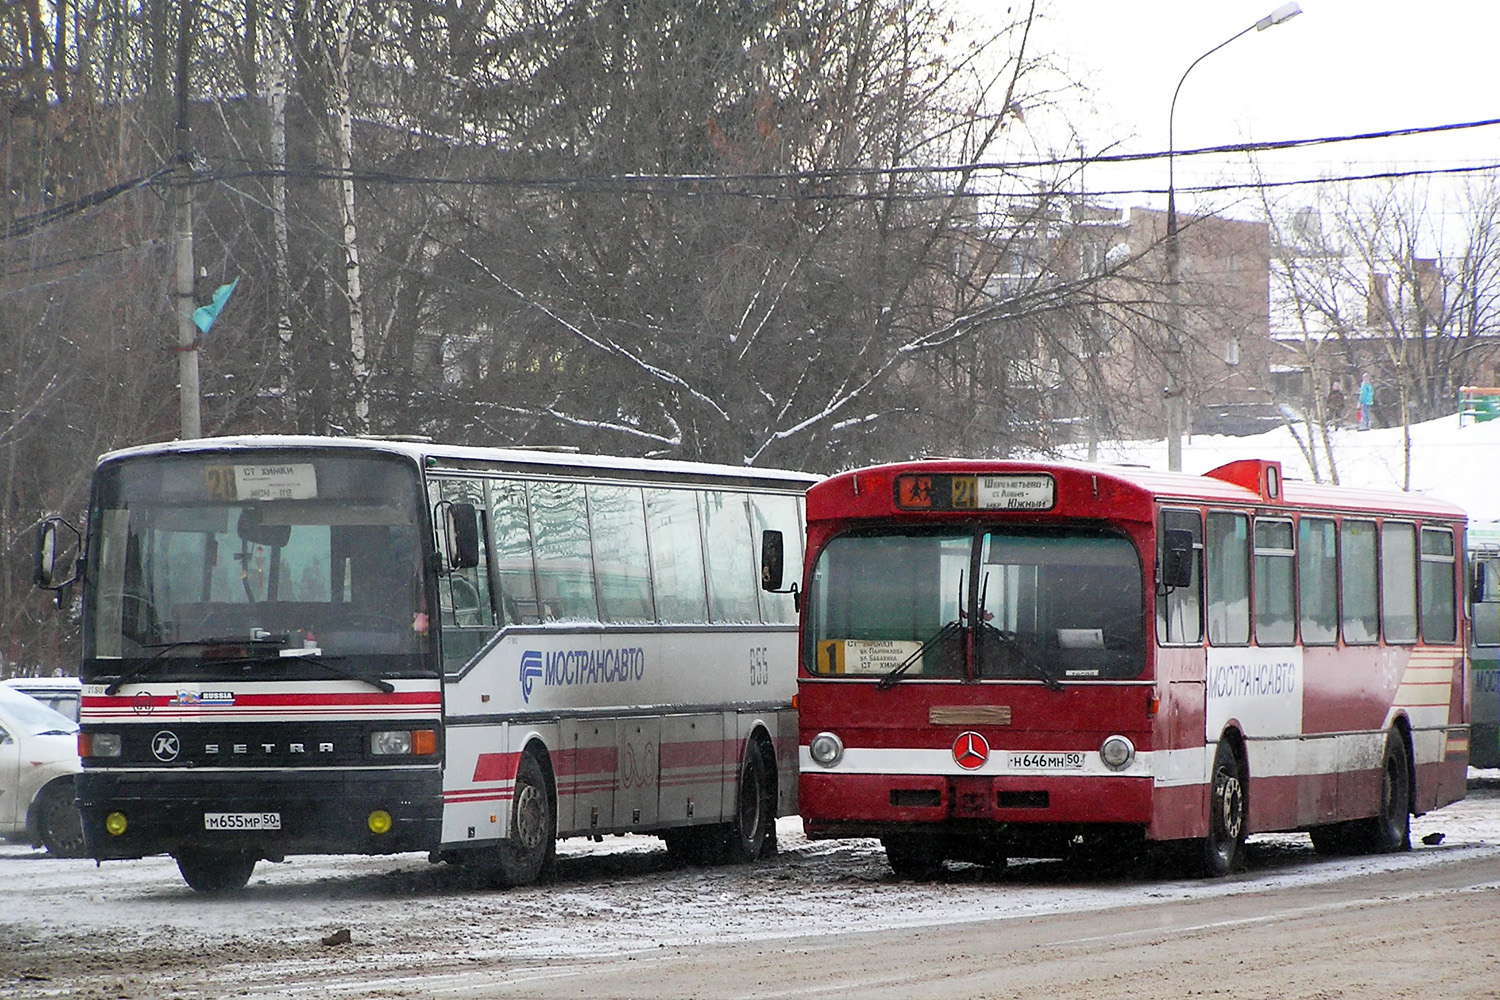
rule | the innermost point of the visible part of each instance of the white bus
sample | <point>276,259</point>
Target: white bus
<point>317,645</point>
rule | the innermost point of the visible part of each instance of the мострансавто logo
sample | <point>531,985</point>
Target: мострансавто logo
<point>531,671</point>
<point>567,667</point>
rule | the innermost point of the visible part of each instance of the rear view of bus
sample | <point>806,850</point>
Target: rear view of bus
<point>1007,659</point>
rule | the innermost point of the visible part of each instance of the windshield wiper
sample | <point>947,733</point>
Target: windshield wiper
<point>889,680</point>
<point>1024,654</point>
<point>329,663</point>
<point>162,649</point>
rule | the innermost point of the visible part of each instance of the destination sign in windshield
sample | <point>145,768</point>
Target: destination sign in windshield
<point>944,491</point>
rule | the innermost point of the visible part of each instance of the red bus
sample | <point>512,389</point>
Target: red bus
<point>1022,659</point>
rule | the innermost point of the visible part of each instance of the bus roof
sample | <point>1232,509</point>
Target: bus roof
<point>462,457</point>
<point>1120,492</point>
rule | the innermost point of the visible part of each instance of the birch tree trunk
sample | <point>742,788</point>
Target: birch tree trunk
<point>278,72</point>
<point>353,291</point>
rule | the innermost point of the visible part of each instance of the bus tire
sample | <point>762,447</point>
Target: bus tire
<point>529,849</point>
<point>215,871</point>
<point>913,856</point>
<point>1390,830</point>
<point>754,808</point>
<point>58,825</point>
<point>1228,811</point>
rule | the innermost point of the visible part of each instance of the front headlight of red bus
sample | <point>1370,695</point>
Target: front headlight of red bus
<point>826,749</point>
<point>1117,752</point>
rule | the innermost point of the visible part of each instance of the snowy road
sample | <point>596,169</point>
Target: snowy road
<point>132,929</point>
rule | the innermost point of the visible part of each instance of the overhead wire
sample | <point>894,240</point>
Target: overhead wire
<point>714,184</point>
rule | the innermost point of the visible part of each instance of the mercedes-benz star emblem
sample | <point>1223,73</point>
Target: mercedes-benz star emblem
<point>165,746</point>
<point>971,750</point>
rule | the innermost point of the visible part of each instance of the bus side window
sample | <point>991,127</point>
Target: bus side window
<point>1180,609</point>
<point>1318,580</point>
<point>1439,587</point>
<point>1398,581</point>
<point>676,555</point>
<point>1275,588</point>
<point>564,553</point>
<point>782,514</point>
<point>515,573</point>
<point>1357,564</point>
<point>1227,552</point>
<point>733,571</point>
<point>1485,610</point>
<point>617,521</point>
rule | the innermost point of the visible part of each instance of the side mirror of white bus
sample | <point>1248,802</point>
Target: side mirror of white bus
<point>1480,584</point>
<point>50,564</point>
<point>461,524</point>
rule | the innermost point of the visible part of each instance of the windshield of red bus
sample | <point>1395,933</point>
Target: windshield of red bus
<point>1055,603</point>
<point>303,555</point>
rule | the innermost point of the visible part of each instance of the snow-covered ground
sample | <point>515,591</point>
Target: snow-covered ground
<point>1453,463</point>
<point>623,897</point>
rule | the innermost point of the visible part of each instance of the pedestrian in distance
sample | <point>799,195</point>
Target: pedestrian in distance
<point>1333,408</point>
<point>1366,401</point>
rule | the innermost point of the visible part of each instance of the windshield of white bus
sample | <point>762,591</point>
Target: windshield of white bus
<point>1055,605</point>
<point>303,556</point>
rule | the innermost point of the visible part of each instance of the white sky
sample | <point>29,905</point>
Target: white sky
<point>1341,67</point>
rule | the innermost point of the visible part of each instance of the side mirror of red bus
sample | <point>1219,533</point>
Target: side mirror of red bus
<point>772,560</point>
<point>1479,585</point>
<point>1176,558</point>
<point>462,523</point>
<point>773,566</point>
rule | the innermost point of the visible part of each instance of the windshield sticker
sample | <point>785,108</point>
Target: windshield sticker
<point>866,656</point>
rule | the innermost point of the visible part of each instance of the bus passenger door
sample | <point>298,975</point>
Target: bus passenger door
<point>637,797</point>
<point>587,770</point>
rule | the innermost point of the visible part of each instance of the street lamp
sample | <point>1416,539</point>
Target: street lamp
<point>1173,403</point>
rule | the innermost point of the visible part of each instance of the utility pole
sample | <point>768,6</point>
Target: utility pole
<point>188,340</point>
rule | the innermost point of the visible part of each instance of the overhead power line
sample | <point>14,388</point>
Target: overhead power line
<point>632,181</point>
<point>695,184</point>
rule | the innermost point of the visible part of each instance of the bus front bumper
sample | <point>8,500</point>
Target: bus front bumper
<point>873,805</point>
<point>270,814</point>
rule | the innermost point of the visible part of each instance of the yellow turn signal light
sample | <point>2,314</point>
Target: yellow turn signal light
<point>116,824</point>
<point>379,821</point>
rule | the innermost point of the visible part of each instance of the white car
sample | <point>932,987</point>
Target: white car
<point>38,759</point>
<point>61,694</point>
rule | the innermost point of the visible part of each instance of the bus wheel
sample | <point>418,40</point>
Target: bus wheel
<point>530,847</point>
<point>215,871</point>
<point>912,856</point>
<point>58,825</point>
<point>1391,830</point>
<point>1227,814</point>
<point>754,808</point>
